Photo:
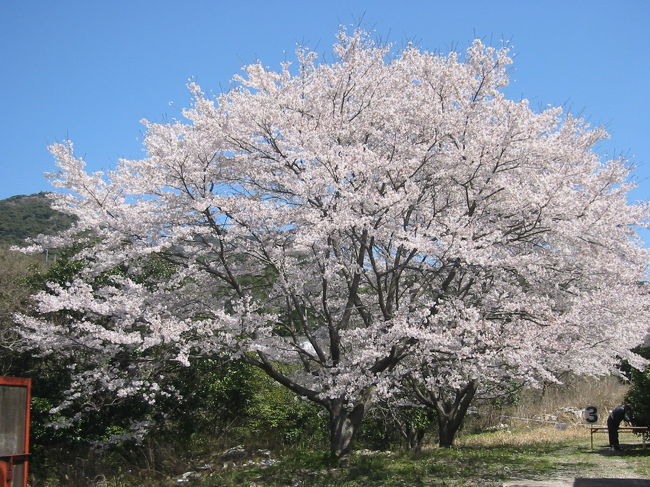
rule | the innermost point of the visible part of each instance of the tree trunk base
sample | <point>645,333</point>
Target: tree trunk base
<point>344,424</point>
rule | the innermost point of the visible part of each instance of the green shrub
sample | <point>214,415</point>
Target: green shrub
<point>276,415</point>
<point>638,395</point>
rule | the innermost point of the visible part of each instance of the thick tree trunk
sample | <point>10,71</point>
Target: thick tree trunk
<point>447,429</point>
<point>345,418</point>
<point>451,414</point>
<point>344,424</point>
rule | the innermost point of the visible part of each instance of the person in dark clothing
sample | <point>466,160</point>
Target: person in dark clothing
<point>619,414</point>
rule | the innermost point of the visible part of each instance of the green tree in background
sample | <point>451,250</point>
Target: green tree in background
<point>639,394</point>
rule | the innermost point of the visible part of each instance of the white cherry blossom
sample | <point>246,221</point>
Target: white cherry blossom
<point>331,221</point>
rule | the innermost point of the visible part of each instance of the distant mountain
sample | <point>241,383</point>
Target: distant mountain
<point>25,216</point>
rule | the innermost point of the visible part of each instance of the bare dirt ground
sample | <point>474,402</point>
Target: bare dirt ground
<point>599,468</point>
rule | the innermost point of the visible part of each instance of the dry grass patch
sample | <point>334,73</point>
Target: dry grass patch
<point>560,401</point>
<point>526,436</point>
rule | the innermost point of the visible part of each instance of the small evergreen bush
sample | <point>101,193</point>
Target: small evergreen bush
<point>638,395</point>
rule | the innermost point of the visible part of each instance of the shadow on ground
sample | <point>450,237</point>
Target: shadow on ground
<point>628,450</point>
<point>583,482</point>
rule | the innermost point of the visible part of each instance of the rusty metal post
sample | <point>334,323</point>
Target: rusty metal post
<point>15,399</point>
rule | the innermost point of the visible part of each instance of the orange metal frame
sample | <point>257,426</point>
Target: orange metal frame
<point>7,462</point>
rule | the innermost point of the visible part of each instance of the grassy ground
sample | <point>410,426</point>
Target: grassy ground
<point>525,451</point>
<point>486,459</point>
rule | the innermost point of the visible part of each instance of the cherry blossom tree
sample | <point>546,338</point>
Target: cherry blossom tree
<point>501,361</point>
<point>326,221</point>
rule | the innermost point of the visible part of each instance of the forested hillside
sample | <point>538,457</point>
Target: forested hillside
<point>25,216</point>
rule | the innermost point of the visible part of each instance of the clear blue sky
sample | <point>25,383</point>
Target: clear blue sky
<point>91,70</point>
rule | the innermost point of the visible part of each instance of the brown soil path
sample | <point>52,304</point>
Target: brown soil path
<point>607,469</point>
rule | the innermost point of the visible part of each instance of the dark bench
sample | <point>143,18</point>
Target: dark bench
<point>633,429</point>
